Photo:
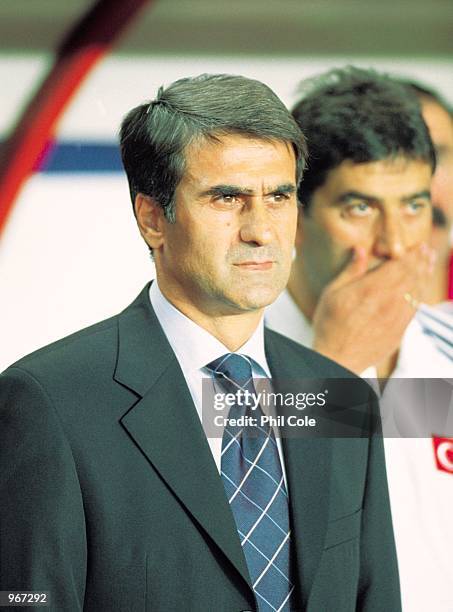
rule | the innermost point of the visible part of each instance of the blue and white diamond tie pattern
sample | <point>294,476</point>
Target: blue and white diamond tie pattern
<point>253,480</point>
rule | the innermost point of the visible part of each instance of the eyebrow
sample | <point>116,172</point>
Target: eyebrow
<point>237,190</point>
<point>419,194</point>
<point>346,197</point>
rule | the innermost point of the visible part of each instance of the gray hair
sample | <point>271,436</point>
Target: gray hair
<point>154,136</point>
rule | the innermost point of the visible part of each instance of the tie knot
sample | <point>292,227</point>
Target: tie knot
<point>234,367</point>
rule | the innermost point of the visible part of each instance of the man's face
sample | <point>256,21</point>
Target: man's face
<point>440,126</point>
<point>382,206</point>
<point>236,216</point>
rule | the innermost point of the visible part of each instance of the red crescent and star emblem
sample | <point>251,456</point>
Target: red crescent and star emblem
<point>443,452</point>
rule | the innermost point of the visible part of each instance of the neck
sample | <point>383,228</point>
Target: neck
<point>232,327</point>
<point>385,368</point>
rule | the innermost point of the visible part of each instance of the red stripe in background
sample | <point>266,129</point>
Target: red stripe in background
<point>90,39</point>
<point>450,278</point>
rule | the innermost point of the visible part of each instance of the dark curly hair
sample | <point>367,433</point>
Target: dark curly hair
<point>358,115</point>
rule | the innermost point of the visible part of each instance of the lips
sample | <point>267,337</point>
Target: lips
<point>255,265</point>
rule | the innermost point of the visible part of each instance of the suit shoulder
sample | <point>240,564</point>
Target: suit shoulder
<point>80,346</point>
<point>309,357</point>
<point>88,347</point>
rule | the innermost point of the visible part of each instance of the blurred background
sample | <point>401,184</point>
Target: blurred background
<point>70,253</point>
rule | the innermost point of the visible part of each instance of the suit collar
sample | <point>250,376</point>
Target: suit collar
<point>143,351</point>
<point>164,424</point>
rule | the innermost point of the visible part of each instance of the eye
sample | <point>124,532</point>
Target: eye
<point>227,197</point>
<point>282,197</point>
<point>279,198</point>
<point>415,207</point>
<point>227,200</point>
<point>360,209</point>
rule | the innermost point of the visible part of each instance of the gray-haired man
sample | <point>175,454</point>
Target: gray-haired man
<point>114,499</point>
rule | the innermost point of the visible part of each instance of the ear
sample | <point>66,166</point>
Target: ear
<point>150,220</point>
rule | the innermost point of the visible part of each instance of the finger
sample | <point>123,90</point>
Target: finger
<point>428,258</point>
<point>411,275</point>
<point>408,272</point>
<point>423,281</point>
<point>423,262</point>
<point>421,258</point>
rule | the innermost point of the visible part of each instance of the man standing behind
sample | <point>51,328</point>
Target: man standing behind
<point>361,267</point>
<point>112,497</point>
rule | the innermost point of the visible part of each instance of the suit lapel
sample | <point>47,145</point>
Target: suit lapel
<point>165,426</point>
<point>308,467</point>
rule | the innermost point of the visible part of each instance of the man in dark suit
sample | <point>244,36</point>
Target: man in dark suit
<point>113,497</point>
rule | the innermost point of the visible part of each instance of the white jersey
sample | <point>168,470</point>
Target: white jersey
<point>419,470</point>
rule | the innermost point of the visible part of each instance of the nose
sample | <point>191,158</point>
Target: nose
<point>389,239</point>
<point>256,226</point>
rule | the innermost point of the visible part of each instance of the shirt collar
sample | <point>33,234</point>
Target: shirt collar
<point>195,347</point>
<point>285,317</point>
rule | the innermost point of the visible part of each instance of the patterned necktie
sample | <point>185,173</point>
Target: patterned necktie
<point>253,480</point>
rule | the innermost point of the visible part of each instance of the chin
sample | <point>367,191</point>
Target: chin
<point>257,299</point>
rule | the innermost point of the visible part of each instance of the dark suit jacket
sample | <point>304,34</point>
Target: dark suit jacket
<point>111,500</point>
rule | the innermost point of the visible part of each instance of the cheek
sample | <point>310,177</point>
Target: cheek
<point>421,231</point>
<point>344,236</point>
<point>442,190</point>
<point>185,249</point>
<point>417,229</point>
<point>320,246</point>
<point>324,255</point>
<point>208,250</point>
<point>288,237</point>
<point>284,223</point>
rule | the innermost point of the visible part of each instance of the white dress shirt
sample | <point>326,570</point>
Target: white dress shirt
<point>421,495</point>
<point>195,347</point>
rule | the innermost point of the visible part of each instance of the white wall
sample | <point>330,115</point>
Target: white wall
<point>71,254</point>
